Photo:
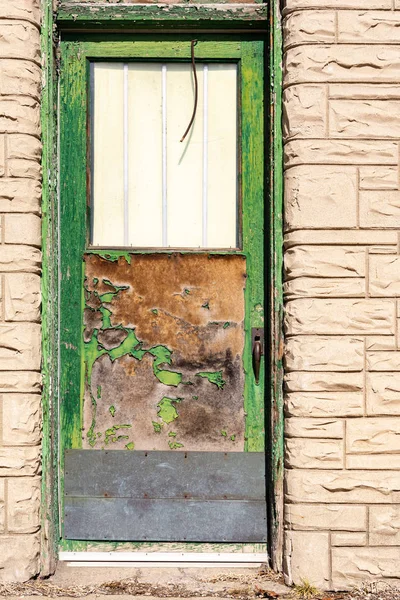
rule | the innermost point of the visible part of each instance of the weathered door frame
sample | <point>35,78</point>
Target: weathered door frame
<point>132,17</point>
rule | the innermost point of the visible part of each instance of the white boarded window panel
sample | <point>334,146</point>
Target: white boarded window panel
<point>108,160</point>
<point>150,189</point>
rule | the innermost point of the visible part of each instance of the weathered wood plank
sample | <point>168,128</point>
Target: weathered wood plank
<point>177,475</point>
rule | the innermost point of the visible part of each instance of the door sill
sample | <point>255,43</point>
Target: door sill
<point>163,559</point>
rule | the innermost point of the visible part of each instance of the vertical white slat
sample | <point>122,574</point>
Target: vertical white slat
<point>145,155</point>
<point>164,158</point>
<point>126,157</point>
<point>205,155</point>
<point>108,159</point>
<point>222,156</point>
<point>184,170</point>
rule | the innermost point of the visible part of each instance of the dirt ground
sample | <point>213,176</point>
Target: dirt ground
<point>176,583</point>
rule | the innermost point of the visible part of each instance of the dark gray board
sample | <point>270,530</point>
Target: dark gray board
<point>165,496</point>
<point>140,474</point>
<point>131,519</point>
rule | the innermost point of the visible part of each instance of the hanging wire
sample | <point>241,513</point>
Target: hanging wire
<point>194,42</point>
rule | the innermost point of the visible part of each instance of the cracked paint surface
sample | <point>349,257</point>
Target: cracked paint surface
<point>170,373</point>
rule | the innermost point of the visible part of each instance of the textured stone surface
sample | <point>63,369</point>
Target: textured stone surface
<point>373,436</point>
<point>380,208</point>
<point>303,453</point>
<point>349,539</point>
<point>20,258</point>
<point>20,346</point>
<point>313,26</point>
<point>304,111</point>
<point>383,361</point>
<point>368,27</point>
<point>372,178</point>
<point>324,404</point>
<point>20,195</point>
<point>20,381</point>
<point>19,114</point>
<point>384,274</point>
<point>351,565</point>
<point>326,261</point>
<point>27,549</point>
<point>324,287</point>
<point>364,4</point>
<point>338,317</point>
<point>307,557</point>
<point>23,229</point>
<point>21,419</point>
<point>320,237</point>
<point>371,487</point>
<point>22,297</point>
<point>340,152</point>
<point>324,382</point>
<point>20,9</point>
<point>325,197</point>
<point>23,504</point>
<point>324,353</point>
<point>333,517</point>
<point>19,461</point>
<point>19,39</point>
<point>25,81</point>
<point>364,119</point>
<point>384,525</point>
<point>314,428</point>
<point>383,394</point>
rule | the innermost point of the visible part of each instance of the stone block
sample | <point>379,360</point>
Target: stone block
<point>380,208</point>
<point>2,506</point>
<point>26,147</point>
<point>24,80</point>
<point>379,178</point>
<point>355,565</point>
<point>20,167</point>
<point>323,382</point>
<point>306,557</point>
<point>324,287</point>
<point>309,26</point>
<point>20,381</point>
<point>19,114</point>
<point>384,525</point>
<point>23,504</point>
<point>341,152</point>
<point>325,261</point>
<point>23,229</point>
<point>2,156</point>
<point>364,118</point>
<point>384,274</point>
<point>20,195</point>
<point>348,539</point>
<point>319,316</point>
<point>22,297</point>
<point>324,353</point>
<point>28,10</point>
<point>373,461</point>
<point>304,111</point>
<point>380,342</point>
<point>337,4</point>
<point>338,487</point>
<point>27,549</point>
<point>383,394</point>
<point>314,428</point>
<point>316,237</point>
<point>383,361</point>
<point>364,91</point>
<point>20,258</point>
<point>373,436</point>
<point>20,347</point>
<point>322,197</point>
<point>311,453</point>
<point>19,462</point>
<point>21,419</point>
<point>324,404</point>
<point>19,39</point>
<point>328,517</point>
<point>336,64</point>
<point>368,27</point>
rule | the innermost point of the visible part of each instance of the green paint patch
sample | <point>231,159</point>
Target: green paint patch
<point>206,305</point>
<point>113,256</point>
<point>226,325</point>
<point>223,433</point>
<point>154,311</point>
<point>214,377</point>
<point>130,446</point>
<point>174,445</point>
<point>99,391</point>
<point>172,434</point>
<point>166,409</point>
<point>112,410</point>
<point>111,434</point>
<point>162,355</point>
<point>232,438</point>
<point>187,291</point>
<point>195,397</point>
<point>157,426</point>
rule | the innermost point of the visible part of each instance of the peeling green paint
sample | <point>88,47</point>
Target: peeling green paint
<point>157,426</point>
<point>111,433</point>
<point>226,325</point>
<point>98,392</point>
<point>154,311</point>
<point>166,409</point>
<point>206,305</point>
<point>223,433</point>
<point>232,438</point>
<point>130,446</point>
<point>172,434</point>
<point>174,445</point>
<point>112,411</point>
<point>214,377</point>
<point>113,255</point>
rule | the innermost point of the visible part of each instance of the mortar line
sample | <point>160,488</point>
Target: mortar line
<point>330,559</point>
<point>365,379</point>
<point>6,505</point>
<point>337,27</point>
<point>398,242</point>
<point>367,294</point>
<point>5,148</point>
<point>396,324</point>
<point>345,443</point>
<point>327,91</point>
<point>3,298</point>
<point>358,197</point>
<point>367,524</point>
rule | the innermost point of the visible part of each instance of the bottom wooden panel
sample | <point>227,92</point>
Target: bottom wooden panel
<point>132,519</point>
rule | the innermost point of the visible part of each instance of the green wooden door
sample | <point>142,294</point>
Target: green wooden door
<point>162,290</point>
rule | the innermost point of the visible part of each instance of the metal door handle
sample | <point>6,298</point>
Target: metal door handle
<point>257,353</point>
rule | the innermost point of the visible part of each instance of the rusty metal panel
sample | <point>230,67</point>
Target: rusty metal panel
<point>131,519</point>
<point>163,346</point>
<point>180,475</point>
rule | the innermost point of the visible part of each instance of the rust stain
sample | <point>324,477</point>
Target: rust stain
<point>164,302</point>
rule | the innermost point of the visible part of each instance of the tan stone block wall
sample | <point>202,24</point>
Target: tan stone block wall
<point>342,289</point>
<point>20,262</point>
